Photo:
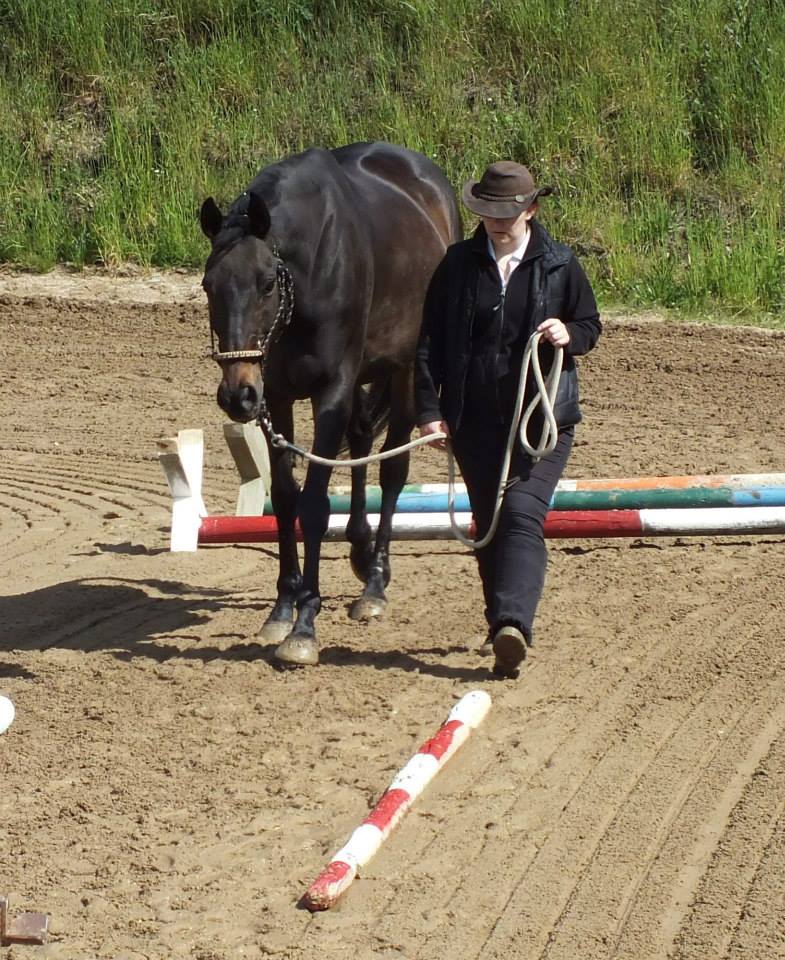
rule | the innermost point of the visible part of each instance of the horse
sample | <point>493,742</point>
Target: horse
<point>315,285</point>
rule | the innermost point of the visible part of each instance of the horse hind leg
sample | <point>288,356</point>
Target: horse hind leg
<point>358,530</point>
<point>392,477</point>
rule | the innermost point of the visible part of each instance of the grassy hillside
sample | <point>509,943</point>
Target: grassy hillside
<point>662,122</point>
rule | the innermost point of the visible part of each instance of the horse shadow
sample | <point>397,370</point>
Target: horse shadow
<point>122,617</point>
<point>11,671</point>
<point>150,618</point>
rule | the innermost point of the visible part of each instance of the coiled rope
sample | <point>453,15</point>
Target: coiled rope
<point>545,395</point>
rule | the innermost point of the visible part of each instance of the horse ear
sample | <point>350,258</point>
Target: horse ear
<point>211,218</point>
<point>258,215</point>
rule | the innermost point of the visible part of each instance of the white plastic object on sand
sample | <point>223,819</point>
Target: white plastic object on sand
<point>7,714</point>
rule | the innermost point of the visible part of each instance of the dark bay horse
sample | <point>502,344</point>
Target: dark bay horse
<point>315,286</point>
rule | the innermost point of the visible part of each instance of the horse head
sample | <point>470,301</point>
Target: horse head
<point>246,299</point>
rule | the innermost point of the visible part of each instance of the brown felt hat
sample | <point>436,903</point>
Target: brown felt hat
<point>506,189</point>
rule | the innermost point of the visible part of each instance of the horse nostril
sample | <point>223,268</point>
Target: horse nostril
<point>224,397</point>
<point>246,399</point>
<point>239,402</point>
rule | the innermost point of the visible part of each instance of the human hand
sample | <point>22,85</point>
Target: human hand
<point>435,426</point>
<point>554,331</point>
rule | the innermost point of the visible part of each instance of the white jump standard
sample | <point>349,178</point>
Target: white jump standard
<point>407,785</point>
<point>182,458</point>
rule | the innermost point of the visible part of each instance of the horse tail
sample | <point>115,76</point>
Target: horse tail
<point>379,406</point>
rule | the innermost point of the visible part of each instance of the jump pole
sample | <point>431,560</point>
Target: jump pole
<point>654,498</point>
<point>709,521</point>
<point>636,506</point>
<point>733,481</point>
<point>467,714</point>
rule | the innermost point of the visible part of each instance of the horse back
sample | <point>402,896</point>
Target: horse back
<point>388,176</point>
<point>362,228</point>
<point>410,214</point>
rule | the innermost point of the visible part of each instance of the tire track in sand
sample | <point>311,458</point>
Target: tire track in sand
<point>634,747</point>
<point>630,838</point>
<point>727,917</point>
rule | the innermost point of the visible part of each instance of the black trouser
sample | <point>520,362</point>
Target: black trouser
<point>512,566</point>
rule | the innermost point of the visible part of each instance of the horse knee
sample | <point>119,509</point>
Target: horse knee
<point>313,511</point>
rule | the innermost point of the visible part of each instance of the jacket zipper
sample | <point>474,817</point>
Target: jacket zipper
<point>500,308</point>
<point>470,304</point>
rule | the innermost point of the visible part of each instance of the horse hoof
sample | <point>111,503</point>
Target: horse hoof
<point>298,651</point>
<point>275,631</point>
<point>367,608</point>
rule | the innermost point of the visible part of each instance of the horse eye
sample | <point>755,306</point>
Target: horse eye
<point>266,286</point>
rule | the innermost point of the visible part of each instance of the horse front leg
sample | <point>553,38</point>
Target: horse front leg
<point>284,493</point>
<point>331,416</point>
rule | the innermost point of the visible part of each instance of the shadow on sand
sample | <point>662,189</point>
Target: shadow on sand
<point>152,618</point>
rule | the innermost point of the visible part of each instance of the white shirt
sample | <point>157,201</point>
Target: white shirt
<point>509,261</point>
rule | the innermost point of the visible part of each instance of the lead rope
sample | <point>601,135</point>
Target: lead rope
<point>546,394</point>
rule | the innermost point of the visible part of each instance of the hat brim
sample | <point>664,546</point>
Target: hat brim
<point>501,209</point>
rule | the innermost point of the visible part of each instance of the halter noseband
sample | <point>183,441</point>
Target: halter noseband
<point>282,319</point>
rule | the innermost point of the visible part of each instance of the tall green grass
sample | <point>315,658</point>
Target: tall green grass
<point>661,122</point>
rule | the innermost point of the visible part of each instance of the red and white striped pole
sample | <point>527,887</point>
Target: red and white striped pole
<point>559,524</point>
<point>406,786</point>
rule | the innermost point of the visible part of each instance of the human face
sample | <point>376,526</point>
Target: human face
<point>509,232</point>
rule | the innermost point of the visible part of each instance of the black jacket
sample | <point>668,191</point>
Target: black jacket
<point>473,336</point>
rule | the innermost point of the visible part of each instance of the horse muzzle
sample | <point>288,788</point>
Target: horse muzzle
<point>241,403</point>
